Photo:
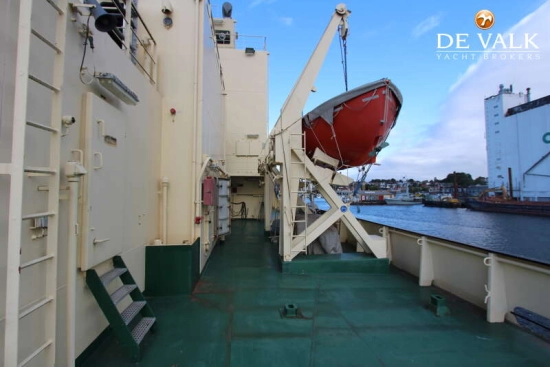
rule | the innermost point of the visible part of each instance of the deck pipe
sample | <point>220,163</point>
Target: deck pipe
<point>196,133</point>
<point>165,183</point>
<point>74,184</point>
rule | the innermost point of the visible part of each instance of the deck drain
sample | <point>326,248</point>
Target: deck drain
<point>438,304</point>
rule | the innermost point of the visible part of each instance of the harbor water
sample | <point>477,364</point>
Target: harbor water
<point>522,236</point>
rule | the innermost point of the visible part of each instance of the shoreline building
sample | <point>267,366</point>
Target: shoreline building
<point>517,132</point>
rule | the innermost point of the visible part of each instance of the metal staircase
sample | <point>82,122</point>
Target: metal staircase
<point>19,173</point>
<point>127,326</point>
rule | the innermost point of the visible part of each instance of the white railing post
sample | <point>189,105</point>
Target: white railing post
<point>497,304</point>
<point>385,232</point>
<point>426,272</point>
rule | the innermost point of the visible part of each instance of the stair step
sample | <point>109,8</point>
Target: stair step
<point>131,311</point>
<point>129,325</point>
<point>142,328</point>
<point>111,275</point>
<point>122,292</point>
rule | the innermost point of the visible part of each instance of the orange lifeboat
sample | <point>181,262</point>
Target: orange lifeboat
<point>353,126</point>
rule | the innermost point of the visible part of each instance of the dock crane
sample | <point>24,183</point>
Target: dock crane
<point>287,164</point>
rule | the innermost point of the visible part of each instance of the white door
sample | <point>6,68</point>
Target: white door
<point>103,186</point>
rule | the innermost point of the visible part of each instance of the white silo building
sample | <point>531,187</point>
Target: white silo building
<point>518,143</point>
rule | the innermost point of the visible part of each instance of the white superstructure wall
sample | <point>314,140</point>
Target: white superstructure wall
<point>246,108</point>
<point>136,175</point>
<point>176,131</point>
<point>246,113</point>
<point>191,82</point>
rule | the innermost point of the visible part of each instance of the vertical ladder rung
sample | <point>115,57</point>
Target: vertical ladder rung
<point>38,215</point>
<point>35,261</point>
<point>56,7</point>
<point>40,170</point>
<point>35,307</point>
<point>43,83</point>
<point>46,41</point>
<point>41,126</point>
<point>35,353</point>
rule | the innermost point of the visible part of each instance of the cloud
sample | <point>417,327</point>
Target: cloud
<point>426,25</point>
<point>286,20</point>
<point>255,3</point>
<point>457,141</point>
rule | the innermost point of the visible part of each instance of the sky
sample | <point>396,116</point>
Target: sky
<point>441,124</point>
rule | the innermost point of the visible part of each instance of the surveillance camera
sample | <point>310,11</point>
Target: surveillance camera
<point>166,7</point>
<point>68,120</point>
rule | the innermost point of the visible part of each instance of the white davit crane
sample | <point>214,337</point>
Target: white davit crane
<point>287,164</point>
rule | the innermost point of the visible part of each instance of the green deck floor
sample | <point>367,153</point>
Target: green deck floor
<point>350,319</point>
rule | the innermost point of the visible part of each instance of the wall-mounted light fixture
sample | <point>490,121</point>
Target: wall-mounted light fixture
<point>117,87</point>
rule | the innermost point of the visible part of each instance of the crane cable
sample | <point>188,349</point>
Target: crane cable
<point>344,55</point>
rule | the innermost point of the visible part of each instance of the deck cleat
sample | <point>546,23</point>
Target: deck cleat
<point>438,304</point>
<point>290,310</point>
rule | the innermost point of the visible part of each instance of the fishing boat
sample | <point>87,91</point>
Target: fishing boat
<point>353,126</point>
<point>403,198</point>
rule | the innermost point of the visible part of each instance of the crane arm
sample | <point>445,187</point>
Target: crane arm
<point>296,100</point>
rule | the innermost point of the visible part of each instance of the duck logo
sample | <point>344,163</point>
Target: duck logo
<point>484,19</point>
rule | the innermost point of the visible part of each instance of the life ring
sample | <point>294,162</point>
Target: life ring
<point>546,138</point>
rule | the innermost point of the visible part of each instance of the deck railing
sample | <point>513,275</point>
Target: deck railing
<point>494,281</point>
<point>135,38</point>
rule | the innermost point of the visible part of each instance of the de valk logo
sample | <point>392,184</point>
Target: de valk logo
<point>487,44</point>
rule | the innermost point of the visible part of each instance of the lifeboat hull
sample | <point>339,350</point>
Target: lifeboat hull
<point>352,126</point>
